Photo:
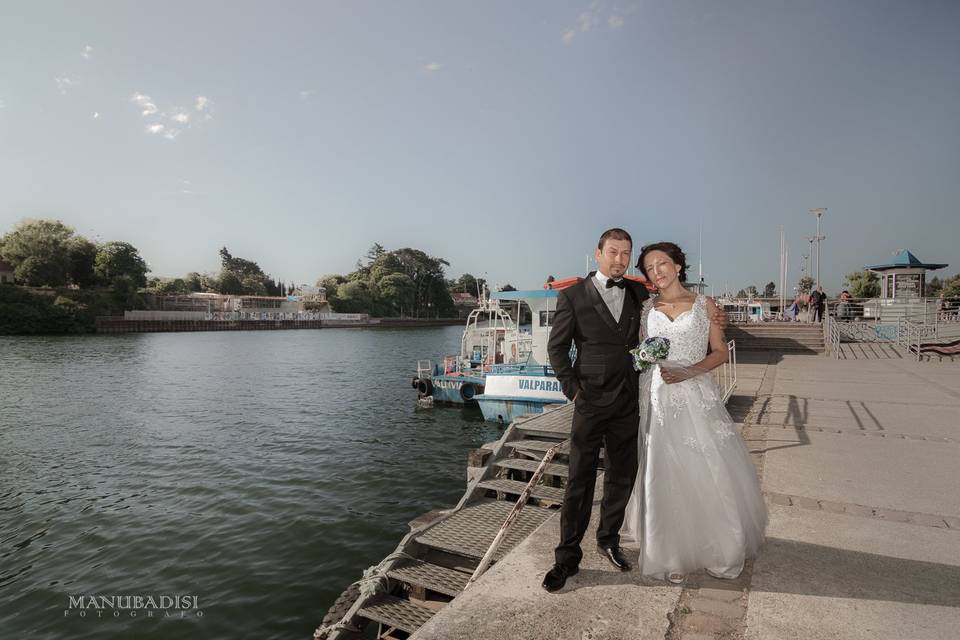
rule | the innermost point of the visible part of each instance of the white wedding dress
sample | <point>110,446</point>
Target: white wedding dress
<point>696,502</point>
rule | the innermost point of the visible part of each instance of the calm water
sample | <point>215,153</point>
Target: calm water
<point>260,472</point>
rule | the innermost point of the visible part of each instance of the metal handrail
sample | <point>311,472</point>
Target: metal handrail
<point>727,372</point>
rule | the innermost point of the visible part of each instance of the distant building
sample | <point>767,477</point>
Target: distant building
<point>464,299</point>
<point>6,272</point>
<point>903,277</point>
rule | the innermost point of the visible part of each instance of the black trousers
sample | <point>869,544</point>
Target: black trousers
<point>615,427</point>
<point>817,313</point>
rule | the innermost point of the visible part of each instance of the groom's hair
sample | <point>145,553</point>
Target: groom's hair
<point>615,234</point>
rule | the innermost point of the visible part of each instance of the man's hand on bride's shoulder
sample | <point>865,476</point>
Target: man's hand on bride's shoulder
<point>717,315</point>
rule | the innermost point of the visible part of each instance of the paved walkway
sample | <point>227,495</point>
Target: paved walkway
<point>859,462</point>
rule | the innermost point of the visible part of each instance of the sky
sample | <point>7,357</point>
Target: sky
<point>502,136</point>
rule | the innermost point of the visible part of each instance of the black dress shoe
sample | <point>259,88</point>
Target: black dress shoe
<point>557,576</point>
<point>615,556</point>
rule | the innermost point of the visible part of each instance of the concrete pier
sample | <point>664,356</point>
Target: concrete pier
<point>859,466</point>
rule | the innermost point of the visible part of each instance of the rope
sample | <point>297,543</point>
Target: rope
<point>374,581</point>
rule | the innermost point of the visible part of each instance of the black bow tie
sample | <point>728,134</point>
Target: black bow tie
<point>616,283</point>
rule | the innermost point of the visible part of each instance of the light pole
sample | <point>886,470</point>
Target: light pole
<point>819,213</point>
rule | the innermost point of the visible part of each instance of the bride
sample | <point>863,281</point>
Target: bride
<point>696,502</point>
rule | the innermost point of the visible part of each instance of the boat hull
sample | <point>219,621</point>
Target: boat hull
<point>508,396</point>
<point>459,389</point>
<point>506,410</point>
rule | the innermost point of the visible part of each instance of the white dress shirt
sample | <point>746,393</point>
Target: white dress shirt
<point>612,296</point>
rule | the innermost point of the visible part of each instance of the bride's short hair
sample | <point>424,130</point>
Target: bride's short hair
<point>674,251</point>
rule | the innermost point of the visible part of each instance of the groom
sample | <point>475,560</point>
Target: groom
<point>601,315</point>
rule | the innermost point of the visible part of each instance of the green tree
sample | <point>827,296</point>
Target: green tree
<point>239,266</point>
<point>805,285</point>
<point>124,292</point>
<point>397,291</point>
<point>863,284</point>
<point>752,291</point>
<point>37,249</point>
<point>172,287</point>
<point>194,281</point>
<point>228,283</point>
<point>332,284</point>
<point>742,293</point>
<point>253,286</point>
<point>770,290</point>
<point>468,283</point>
<point>951,287</point>
<point>934,286</point>
<point>508,287</point>
<point>355,296</point>
<point>82,255</point>
<point>120,260</point>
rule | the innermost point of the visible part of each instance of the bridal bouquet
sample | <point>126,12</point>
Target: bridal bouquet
<point>650,352</point>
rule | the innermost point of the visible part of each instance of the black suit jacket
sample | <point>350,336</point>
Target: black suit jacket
<point>603,364</point>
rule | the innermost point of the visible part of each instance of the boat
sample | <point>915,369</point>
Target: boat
<point>501,368</point>
<point>526,386</point>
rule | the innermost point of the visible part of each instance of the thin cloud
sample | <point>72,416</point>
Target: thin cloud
<point>145,103</point>
<point>64,83</point>
<point>170,123</point>
<point>307,93</point>
<point>87,52</point>
<point>432,67</point>
<point>597,16</point>
<point>96,115</point>
<point>2,104</point>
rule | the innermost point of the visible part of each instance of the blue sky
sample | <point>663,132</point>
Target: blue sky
<point>502,136</point>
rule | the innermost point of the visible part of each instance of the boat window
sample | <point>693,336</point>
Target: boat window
<point>546,318</point>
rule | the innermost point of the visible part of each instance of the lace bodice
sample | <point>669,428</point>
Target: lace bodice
<point>689,334</point>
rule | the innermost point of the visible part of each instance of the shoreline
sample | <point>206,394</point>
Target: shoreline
<point>105,325</point>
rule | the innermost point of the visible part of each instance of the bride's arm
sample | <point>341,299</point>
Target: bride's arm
<point>716,356</point>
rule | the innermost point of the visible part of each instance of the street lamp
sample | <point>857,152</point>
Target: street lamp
<point>819,213</point>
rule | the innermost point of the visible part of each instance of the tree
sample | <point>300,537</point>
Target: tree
<point>194,281</point>
<point>239,266</point>
<point>228,284</point>
<point>752,291</point>
<point>120,260</point>
<point>397,291</point>
<point>175,286</point>
<point>37,249</point>
<point>253,286</point>
<point>951,287</point>
<point>863,284</point>
<point>770,290</point>
<point>805,285</point>
<point>82,255</point>
<point>934,286</point>
<point>125,292</point>
<point>467,283</point>
<point>508,287</point>
<point>741,294</point>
